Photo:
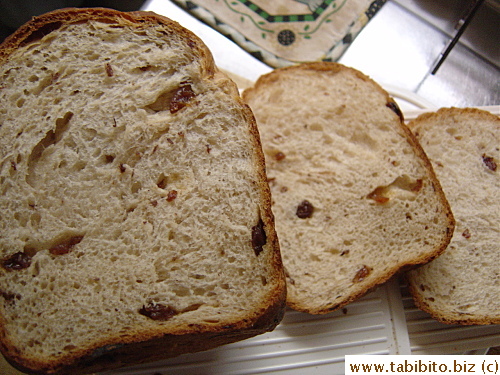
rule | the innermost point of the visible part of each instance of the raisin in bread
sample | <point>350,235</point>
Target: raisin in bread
<point>463,284</point>
<point>354,196</point>
<point>135,212</point>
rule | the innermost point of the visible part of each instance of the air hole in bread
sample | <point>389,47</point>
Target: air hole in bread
<point>51,138</point>
<point>181,290</point>
<point>316,127</point>
<point>33,343</point>
<point>161,271</point>
<point>327,139</point>
<point>340,109</point>
<point>65,244</point>
<point>199,291</point>
<point>240,272</point>
<point>146,68</point>
<point>363,139</point>
<point>332,251</point>
<point>20,102</point>
<point>48,80</point>
<point>451,131</point>
<point>91,56</point>
<point>276,96</point>
<point>62,164</point>
<point>35,219</point>
<point>88,134</point>
<point>14,97</point>
<point>263,280</point>
<point>403,187</point>
<point>193,307</point>
<point>465,308</point>
<point>136,186</point>
<point>161,181</point>
<point>79,165</point>
<point>211,321</point>
<point>314,258</point>
<point>20,218</point>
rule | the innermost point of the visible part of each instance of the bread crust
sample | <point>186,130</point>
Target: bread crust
<point>158,343</point>
<point>306,304</point>
<point>425,300</point>
<point>42,25</point>
<point>112,353</point>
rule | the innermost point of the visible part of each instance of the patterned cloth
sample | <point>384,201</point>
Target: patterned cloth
<point>285,32</point>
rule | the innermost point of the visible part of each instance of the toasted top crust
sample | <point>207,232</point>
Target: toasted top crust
<point>462,285</point>
<point>136,219</point>
<point>354,195</point>
<point>42,25</point>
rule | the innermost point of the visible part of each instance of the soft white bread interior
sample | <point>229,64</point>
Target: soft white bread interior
<point>463,285</point>
<point>135,213</point>
<point>354,196</point>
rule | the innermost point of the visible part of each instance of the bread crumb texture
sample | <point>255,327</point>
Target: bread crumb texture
<point>129,190</point>
<point>353,196</point>
<point>463,284</point>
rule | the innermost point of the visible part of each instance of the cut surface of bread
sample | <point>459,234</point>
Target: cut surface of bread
<point>135,219</point>
<point>463,285</point>
<point>355,198</point>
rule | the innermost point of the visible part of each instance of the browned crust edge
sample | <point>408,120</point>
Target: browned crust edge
<point>117,354</point>
<point>42,25</point>
<point>449,317</point>
<point>302,306</point>
<point>114,352</point>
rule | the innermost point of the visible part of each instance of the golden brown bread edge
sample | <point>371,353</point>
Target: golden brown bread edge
<point>399,269</point>
<point>113,352</point>
<point>116,355</point>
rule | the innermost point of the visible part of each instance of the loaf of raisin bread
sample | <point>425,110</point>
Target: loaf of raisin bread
<point>354,196</point>
<point>135,216</point>
<point>463,285</point>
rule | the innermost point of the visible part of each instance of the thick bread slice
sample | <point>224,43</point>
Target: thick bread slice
<point>355,198</point>
<point>135,213</point>
<point>463,284</point>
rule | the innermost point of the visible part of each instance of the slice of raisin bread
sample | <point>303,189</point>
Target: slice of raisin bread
<point>354,196</point>
<point>135,213</point>
<point>463,284</point>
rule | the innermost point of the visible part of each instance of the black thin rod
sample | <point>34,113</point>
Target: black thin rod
<point>463,23</point>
